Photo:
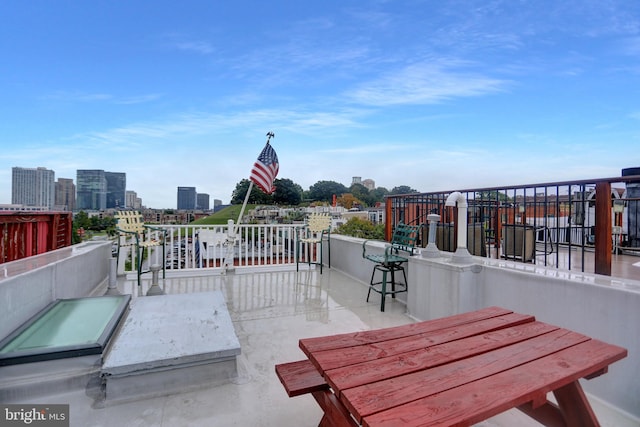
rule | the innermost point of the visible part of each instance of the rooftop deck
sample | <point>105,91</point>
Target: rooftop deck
<point>273,307</point>
<point>270,311</point>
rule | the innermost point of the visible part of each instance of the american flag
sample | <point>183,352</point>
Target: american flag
<point>265,169</point>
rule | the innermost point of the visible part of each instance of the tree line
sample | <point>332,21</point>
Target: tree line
<point>289,193</point>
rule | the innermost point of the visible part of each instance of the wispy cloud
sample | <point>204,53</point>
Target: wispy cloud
<point>184,126</point>
<point>83,97</point>
<point>630,46</point>
<point>197,46</point>
<point>425,83</point>
<point>74,96</point>
<point>370,149</point>
<point>140,99</point>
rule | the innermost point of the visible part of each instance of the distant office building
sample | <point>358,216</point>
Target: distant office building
<point>369,184</point>
<point>98,190</point>
<point>91,189</point>
<point>187,198</point>
<point>132,200</point>
<point>65,194</point>
<point>116,188</point>
<point>216,203</point>
<point>202,201</point>
<point>33,187</point>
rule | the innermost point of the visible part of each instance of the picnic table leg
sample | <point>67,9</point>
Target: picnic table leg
<point>575,407</point>
<point>335,413</point>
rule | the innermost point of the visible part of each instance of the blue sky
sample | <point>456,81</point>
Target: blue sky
<point>437,95</point>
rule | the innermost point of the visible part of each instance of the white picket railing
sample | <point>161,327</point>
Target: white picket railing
<point>191,247</point>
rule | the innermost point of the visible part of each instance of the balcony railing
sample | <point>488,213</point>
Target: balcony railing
<point>575,225</point>
<point>549,221</point>
<point>190,247</point>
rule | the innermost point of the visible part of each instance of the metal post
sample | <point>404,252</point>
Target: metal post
<point>431,251</point>
<point>604,245</point>
<point>155,289</point>
<point>112,287</point>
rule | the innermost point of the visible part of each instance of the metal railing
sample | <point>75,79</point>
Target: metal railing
<point>543,222</point>
<point>24,234</point>
<point>190,247</point>
<point>573,225</point>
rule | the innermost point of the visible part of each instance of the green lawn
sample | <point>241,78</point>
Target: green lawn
<point>221,217</point>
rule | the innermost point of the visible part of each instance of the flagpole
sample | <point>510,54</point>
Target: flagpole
<point>246,199</point>
<point>231,233</point>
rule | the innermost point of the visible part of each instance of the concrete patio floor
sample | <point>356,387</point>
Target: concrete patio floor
<point>270,311</point>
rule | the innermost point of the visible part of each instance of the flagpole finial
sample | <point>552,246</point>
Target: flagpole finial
<point>269,136</point>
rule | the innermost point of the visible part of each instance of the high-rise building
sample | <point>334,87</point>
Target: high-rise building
<point>132,200</point>
<point>99,190</point>
<point>33,186</point>
<point>202,201</point>
<point>187,198</point>
<point>369,184</point>
<point>116,188</point>
<point>91,186</point>
<point>65,194</point>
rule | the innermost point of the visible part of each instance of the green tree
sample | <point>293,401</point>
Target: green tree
<point>257,196</point>
<point>95,223</point>
<point>80,220</point>
<point>287,192</point>
<point>403,189</point>
<point>362,193</point>
<point>323,191</point>
<point>361,228</point>
<point>378,193</point>
<point>492,195</point>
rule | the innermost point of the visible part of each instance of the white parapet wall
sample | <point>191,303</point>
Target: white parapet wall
<point>30,284</point>
<point>601,307</point>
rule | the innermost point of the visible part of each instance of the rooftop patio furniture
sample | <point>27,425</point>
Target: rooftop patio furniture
<point>316,230</point>
<point>456,370</point>
<point>389,263</point>
<point>135,235</point>
<point>518,242</point>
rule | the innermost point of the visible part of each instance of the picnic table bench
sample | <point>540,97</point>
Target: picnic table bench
<point>457,370</point>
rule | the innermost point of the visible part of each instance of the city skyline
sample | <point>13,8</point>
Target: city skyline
<point>433,95</point>
<point>96,190</point>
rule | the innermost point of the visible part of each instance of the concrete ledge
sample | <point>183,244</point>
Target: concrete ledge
<point>171,343</point>
<point>24,382</point>
<point>164,382</point>
<point>31,283</point>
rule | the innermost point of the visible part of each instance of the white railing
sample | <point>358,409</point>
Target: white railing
<point>191,247</point>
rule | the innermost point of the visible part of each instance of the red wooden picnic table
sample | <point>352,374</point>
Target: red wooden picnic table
<point>457,370</point>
